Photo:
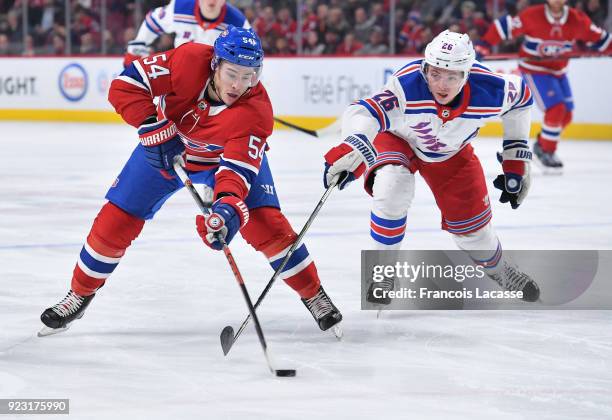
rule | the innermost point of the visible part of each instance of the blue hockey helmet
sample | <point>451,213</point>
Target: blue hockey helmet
<point>239,46</point>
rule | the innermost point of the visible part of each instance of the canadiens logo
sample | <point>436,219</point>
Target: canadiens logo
<point>445,113</point>
<point>553,48</point>
<point>202,105</point>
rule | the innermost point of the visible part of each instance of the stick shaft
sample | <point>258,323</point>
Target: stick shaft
<point>230,258</point>
<point>280,268</point>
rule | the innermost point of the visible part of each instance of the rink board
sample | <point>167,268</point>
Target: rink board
<point>308,91</point>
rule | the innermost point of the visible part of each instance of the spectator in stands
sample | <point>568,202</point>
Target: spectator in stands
<point>285,27</point>
<point>376,44</point>
<point>313,46</point>
<point>594,10</point>
<point>272,19</point>
<point>381,18</point>
<point>363,25</point>
<point>265,21</point>
<point>349,45</point>
<point>409,37</point>
<point>5,47</point>
<point>281,46</point>
<point>58,46</point>
<point>471,18</point>
<point>87,44</point>
<point>15,33</point>
<point>28,47</point>
<point>332,39</point>
<point>337,22</point>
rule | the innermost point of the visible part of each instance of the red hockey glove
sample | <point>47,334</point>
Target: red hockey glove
<point>229,214</point>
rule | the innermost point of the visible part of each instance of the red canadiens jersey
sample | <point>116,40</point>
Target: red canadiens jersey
<point>232,139</point>
<point>546,39</point>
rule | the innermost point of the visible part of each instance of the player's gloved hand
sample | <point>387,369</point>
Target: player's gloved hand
<point>135,50</point>
<point>347,161</point>
<point>515,182</point>
<point>228,215</point>
<point>161,143</point>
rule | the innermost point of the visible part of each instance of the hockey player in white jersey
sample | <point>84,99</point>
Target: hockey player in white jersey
<point>199,21</point>
<point>423,120</point>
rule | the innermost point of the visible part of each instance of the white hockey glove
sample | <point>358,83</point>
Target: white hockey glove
<point>348,161</point>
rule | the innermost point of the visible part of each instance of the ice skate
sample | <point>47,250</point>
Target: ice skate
<point>548,161</point>
<point>324,312</point>
<point>512,279</point>
<point>378,292</point>
<point>60,316</point>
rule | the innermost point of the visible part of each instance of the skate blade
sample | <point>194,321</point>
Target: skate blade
<point>379,313</point>
<point>337,331</point>
<point>548,170</point>
<point>46,331</point>
<point>552,171</point>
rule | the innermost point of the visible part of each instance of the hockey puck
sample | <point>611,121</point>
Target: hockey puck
<point>285,372</point>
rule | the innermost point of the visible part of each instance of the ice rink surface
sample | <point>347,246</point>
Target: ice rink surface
<point>148,347</point>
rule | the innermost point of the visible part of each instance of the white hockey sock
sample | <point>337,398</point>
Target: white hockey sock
<point>482,246</point>
<point>392,191</point>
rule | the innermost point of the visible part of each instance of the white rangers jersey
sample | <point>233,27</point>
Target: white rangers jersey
<point>184,19</point>
<point>406,108</point>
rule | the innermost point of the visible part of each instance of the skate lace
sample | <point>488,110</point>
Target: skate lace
<point>69,305</point>
<point>319,305</point>
<point>385,284</point>
<point>512,279</point>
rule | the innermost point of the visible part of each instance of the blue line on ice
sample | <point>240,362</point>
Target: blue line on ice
<point>317,234</point>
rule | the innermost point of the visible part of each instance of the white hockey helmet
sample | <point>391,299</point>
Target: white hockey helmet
<point>452,51</point>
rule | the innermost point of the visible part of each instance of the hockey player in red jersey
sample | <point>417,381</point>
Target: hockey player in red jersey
<point>423,120</point>
<point>550,32</point>
<point>213,111</point>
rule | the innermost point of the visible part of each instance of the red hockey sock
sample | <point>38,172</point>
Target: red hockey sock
<point>554,119</point>
<point>112,232</point>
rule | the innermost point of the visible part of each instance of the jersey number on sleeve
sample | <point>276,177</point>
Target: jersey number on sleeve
<point>155,70</point>
<point>387,100</point>
<point>256,149</point>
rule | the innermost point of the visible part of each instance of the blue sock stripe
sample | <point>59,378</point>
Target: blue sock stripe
<point>384,240</point>
<point>388,223</point>
<point>95,265</point>
<point>297,257</point>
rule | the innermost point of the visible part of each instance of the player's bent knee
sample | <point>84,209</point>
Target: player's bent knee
<point>114,229</point>
<point>393,191</point>
<point>268,231</point>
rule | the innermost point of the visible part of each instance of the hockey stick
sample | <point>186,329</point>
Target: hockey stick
<point>178,168</point>
<point>228,338</point>
<point>569,56</point>
<point>333,128</point>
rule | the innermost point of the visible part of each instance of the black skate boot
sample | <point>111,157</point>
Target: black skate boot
<point>58,317</point>
<point>549,160</point>
<point>323,310</point>
<point>378,291</point>
<point>511,278</point>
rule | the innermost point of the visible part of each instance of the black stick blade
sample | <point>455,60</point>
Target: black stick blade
<point>285,372</point>
<point>227,339</point>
